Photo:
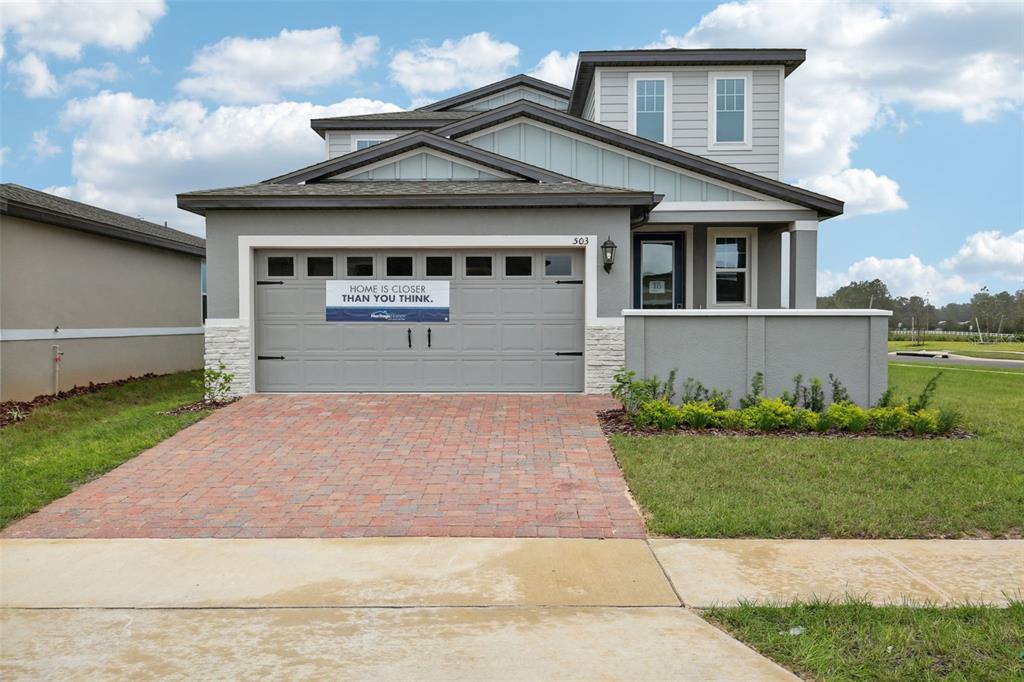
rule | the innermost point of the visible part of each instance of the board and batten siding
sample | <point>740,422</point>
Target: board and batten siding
<point>514,95</point>
<point>577,158</point>
<point>425,166</point>
<point>690,93</point>
<point>340,143</point>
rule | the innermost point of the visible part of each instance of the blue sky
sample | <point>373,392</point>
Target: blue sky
<point>916,126</point>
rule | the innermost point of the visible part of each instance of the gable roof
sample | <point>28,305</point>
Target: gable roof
<point>824,205</point>
<point>392,120</point>
<point>588,60</point>
<point>22,202</point>
<point>520,80</point>
<point>417,140</point>
<point>421,194</point>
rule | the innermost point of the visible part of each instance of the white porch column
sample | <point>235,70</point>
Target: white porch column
<point>803,263</point>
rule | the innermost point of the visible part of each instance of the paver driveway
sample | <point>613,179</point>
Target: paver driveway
<point>364,465</point>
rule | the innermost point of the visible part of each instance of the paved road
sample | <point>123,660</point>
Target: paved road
<point>960,360</point>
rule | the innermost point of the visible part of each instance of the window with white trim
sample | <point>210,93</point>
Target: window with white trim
<point>650,105</point>
<point>729,107</point>
<point>365,141</point>
<point>731,268</point>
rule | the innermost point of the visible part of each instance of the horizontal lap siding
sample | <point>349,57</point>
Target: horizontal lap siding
<point>340,143</point>
<point>590,163</point>
<point>513,95</point>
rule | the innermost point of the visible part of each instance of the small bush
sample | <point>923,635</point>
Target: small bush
<point>805,420</point>
<point>696,392</point>
<point>949,420</point>
<point>924,398</point>
<point>825,423</point>
<point>697,415</point>
<point>216,383</point>
<point>839,392</point>
<point>769,414</point>
<point>889,419</point>
<point>924,421</point>
<point>888,399</point>
<point>732,419</point>
<point>659,413</point>
<point>632,392</point>
<point>847,416</point>
<point>756,391</point>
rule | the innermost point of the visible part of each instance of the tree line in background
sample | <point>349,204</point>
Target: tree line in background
<point>990,313</point>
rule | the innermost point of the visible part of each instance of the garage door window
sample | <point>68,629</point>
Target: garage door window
<point>320,266</point>
<point>439,266</point>
<point>478,266</point>
<point>359,266</point>
<point>399,266</point>
<point>557,265</point>
<point>518,266</point>
<point>280,266</point>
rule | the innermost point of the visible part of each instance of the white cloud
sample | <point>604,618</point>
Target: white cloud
<point>863,191</point>
<point>41,145</point>
<point>35,76</point>
<point>63,27</point>
<point>556,68</point>
<point>252,70</point>
<point>990,253</point>
<point>983,254</point>
<point>469,62</point>
<point>862,58</point>
<point>4,153</point>
<point>133,155</point>
<point>37,80</point>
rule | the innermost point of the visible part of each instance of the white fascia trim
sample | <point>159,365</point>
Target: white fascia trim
<point>606,322</point>
<point>666,76</point>
<point>618,150</point>
<point>761,312</point>
<point>803,226</point>
<point>748,111</point>
<point>98,333</point>
<point>751,234</point>
<point>416,152</point>
<point>767,205</point>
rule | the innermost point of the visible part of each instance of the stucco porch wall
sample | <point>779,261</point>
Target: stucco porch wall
<point>724,348</point>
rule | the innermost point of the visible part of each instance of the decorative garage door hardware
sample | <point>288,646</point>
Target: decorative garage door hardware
<point>569,281</point>
<point>263,281</point>
<point>569,352</point>
<point>270,357</point>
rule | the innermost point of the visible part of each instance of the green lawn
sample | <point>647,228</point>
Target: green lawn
<point>811,487</point>
<point>855,641</point>
<point>66,443</point>
<point>1006,350</point>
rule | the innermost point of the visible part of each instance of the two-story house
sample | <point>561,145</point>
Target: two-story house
<point>527,237</point>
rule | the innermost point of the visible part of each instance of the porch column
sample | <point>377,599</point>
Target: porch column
<point>770,277</point>
<point>803,263</point>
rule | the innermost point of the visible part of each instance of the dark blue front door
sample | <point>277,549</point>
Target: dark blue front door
<point>658,271</point>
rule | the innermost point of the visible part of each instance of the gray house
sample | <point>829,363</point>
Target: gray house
<point>89,295</point>
<point>528,237</point>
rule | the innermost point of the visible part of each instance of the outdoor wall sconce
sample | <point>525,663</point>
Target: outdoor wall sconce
<point>608,254</point>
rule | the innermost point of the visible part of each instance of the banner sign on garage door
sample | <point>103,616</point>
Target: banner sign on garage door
<point>375,300</point>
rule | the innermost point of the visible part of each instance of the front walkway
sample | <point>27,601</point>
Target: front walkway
<point>318,466</point>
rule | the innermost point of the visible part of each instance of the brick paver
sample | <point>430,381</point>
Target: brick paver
<point>364,465</point>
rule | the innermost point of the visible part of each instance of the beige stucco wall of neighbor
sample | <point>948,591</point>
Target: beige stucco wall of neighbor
<point>57,277</point>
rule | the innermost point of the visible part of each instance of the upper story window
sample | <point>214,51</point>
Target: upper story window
<point>729,119</point>
<point>364,141</point>
<point>650,106</point>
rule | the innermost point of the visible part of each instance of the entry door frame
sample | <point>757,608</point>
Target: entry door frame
<point>249,244</point>
<point>680,263</point>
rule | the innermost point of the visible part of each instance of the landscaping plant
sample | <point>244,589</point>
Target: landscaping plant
<point>216,384</point>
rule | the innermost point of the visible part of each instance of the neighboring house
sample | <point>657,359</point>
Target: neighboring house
<point>536,238</point>
<point>109,295</point>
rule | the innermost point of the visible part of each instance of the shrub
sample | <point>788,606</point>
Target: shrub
<point>699,415</point>
<point>924,421</point>
<point>756,391</point>
<point>659,413</point>
<point>769,414</point>
<point>805,420</point>
<point>847,416</point>
<point>798,389</point>
<point>732,419</point>
<point>888,399</point>
<point>924,398</point>
<point>825,423</point>
<point>632,392</point>
<point>216,383</point>
<point>839,392</point>
<point>815,397</point>
<point>889,419</point>
<point>696,392</point>
<point>949,420</point>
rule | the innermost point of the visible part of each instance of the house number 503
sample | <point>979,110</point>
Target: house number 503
<point>580,241</point>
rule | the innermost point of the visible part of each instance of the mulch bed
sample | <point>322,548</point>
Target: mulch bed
<point>11,409</point>
<point>616,421</point>
<point>201,405</point>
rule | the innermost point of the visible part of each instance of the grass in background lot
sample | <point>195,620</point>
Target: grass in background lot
<point>72,441</point>
<point>856,641</point>
<point>810,487</point>
<point>1003,350</point>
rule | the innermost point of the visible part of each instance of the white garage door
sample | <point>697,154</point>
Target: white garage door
<point>515,323</point>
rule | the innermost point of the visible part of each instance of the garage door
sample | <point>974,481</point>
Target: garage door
<point>515,323</point>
